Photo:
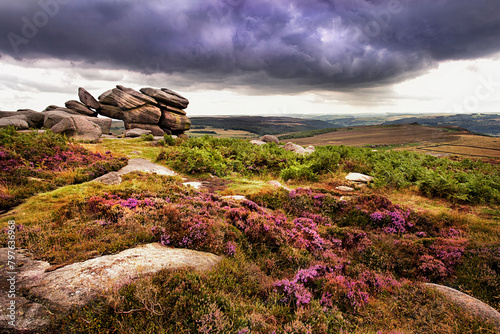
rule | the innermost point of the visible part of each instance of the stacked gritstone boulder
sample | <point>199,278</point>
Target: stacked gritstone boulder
<point>160,111</point>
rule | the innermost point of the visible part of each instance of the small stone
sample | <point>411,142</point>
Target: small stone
<point>344,189</point>
<point>258,142</point>
<point>270,139</point>
<point>357,177</point>
<point>112,178</point>
<point>134,133</point>
<point>195,185</point>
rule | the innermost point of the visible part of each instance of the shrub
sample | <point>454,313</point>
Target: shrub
<point>169,140</point>
<point>148,137</point>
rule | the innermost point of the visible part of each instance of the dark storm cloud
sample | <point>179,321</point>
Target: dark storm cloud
<point>290,44</point>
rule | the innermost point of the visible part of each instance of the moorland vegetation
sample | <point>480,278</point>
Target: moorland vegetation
<point>306,260</point>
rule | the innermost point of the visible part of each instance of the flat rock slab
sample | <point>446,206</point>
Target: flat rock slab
<point>141,165</point>
<point>195,185</point>
<point>144,165</point>
<point>79,283</point>
<point>471,304</point>
<point>344,189</point>
<point>28,315</point>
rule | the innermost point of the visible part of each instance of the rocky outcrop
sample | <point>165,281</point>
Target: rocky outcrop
<point>159,111</point>
<point>77,284</point>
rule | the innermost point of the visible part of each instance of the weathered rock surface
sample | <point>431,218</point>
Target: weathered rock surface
<point>171,109</point>
<point>195,185</point>
<point>140,165</point>
<point>136,132</point>
<point>344,189</point>
<point>147,114</point>
<point>78,127</point>
<point>79,108</point>
<point>66,110</point>
<point>137,95</point>
<point>104,123</point>
<point>174,122</point>
<point>19,121</point>
<point>468,303</point>
<point>166,96</point>
<point>270,139</point>
<point>143,165</point>
<point>87,99</point>
<point>155,129</point>
<point>109,179</point>
<point>157,110</point>
<point>258,142</point>
<point>294,148</point>
<point>357,177</point>
<point>77,284</point>
<point>29,316</point>
<point>111,111</point>
<point>53,117</point>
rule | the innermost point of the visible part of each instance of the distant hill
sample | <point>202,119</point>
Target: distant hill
<point>488,124</point>
<point>259,125</point>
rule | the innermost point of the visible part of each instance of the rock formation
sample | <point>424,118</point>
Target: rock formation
<point>158,111</point>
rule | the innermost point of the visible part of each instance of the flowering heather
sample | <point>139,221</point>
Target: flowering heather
<point>32,162</point>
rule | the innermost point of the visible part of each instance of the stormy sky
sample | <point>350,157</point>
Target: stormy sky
<point>255,56</point>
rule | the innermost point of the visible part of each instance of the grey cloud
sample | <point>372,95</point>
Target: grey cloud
<point>287,45</point>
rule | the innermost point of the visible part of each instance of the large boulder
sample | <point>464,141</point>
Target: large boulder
<point>78,127</point>
<point>35,118</point>
<point>155,129</point>
<point>78,284</point>
<point>147,114</point>
<point>87,99</point>
<point>270,139</point>
<point>18,121</point>
<point>174,122</point>
<point>104,123</point>
<point>166,96</point>
<point>79,108</point>
<point>53,117</point>
<point>111,111</point>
